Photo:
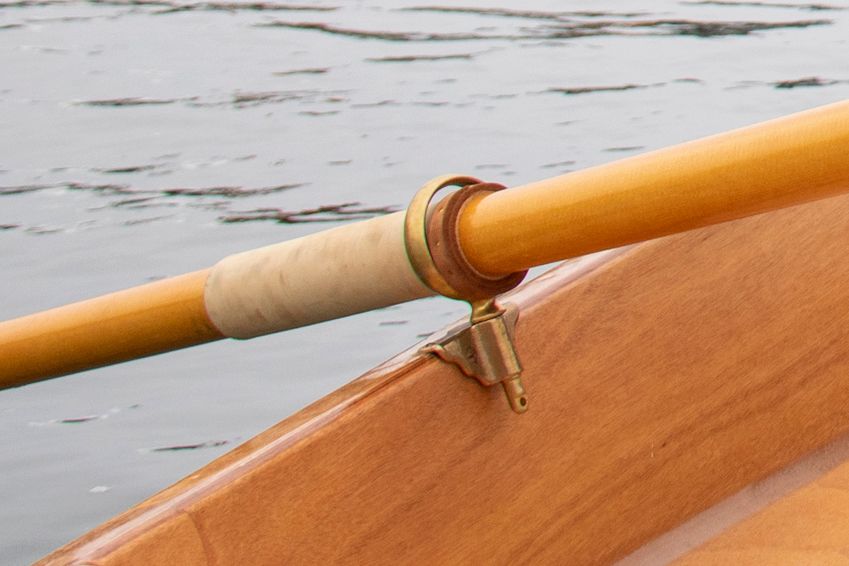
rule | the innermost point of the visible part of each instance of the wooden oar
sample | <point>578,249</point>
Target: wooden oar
<point>771,165</point>
<point>478,241</point>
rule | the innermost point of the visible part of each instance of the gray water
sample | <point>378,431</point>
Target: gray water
<point>143,139</point>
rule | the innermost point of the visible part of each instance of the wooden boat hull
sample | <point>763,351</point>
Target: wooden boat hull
<point>662,378</point>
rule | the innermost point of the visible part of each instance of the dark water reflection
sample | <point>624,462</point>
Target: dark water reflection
<point>146,138</point>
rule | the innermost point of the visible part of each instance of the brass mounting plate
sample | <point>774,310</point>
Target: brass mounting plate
<point>484,350</point>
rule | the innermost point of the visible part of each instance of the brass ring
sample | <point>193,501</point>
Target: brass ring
<point>415,233</point>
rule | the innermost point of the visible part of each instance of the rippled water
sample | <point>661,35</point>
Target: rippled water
<point>143,139</point>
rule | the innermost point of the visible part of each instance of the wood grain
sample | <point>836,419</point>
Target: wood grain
<point>660,381</point>
<point>810,526</point>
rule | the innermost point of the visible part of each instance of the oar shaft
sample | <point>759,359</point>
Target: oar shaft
<point>145,320</point>
<point>347,270</point>
<point>771,165</point>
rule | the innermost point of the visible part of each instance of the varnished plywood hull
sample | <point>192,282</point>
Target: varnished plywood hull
<point>662,378</point>
<point>808,526</point>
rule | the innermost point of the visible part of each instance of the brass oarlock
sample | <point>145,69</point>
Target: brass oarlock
<point>483,349</point>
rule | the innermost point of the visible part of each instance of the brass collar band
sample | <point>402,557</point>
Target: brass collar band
<point>433,246</point>
<point>444,243</point>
